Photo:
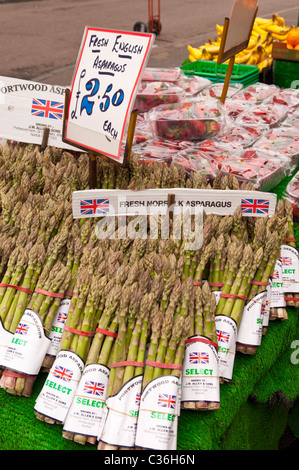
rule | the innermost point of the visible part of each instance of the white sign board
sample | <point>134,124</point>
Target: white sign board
<point>107,73</point>
<point>27,107</point>
<point>239,30</point>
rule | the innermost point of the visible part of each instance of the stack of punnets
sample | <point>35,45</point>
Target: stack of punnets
<point>134,306</point>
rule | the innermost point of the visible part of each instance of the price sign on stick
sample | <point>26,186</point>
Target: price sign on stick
<point>99,105</point>
<point>236,35</point>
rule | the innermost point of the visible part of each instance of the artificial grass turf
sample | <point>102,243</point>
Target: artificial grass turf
<point>245,400</point>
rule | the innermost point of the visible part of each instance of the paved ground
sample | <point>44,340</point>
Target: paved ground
<point>40,39</point>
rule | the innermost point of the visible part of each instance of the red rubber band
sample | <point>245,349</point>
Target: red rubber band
<point>106,332</point>
<point>162,365</point>
<point>289,239</point>
<point>8,373</point>
<point>68,293</point>
<point>50,294</point>
<point>78,332</point>
<point>216,284</point>
<point>202,340</point>
<point>127,363</point>
<point>22,289</point>
<point>233,296</point>
<point>257,283</point>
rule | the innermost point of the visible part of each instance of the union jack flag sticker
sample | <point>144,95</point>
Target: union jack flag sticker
<point>63,373</point>
<point>255,206</point>
<point>198,358</point>
<point>94,388</point>
<point>167,401</point>
<point>61,317</point>
<point>137,399</point>
<point>222,336</point>
<point>94,206</point>
<point>22,329</point>
<point>47,109</point>
<point>286,261</point>
<point>275,274</point>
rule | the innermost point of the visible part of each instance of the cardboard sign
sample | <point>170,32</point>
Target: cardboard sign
<point>109,67</point>
<point>111,202</point>
<point>27,108</point>
<point>237,29</point>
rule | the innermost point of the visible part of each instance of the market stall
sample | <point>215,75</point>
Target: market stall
<point>166,329</point>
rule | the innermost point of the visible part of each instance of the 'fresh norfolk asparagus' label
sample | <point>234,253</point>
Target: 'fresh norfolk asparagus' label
<point>277,293</point>
<point>60,387</point>
<point>87,411</point>
<point>227,337</point>
<point>200,375</point>
<point>5,340</point>
<point>28,345</point>
<point>289,257</point>
<point>121,421</point>
<point>158,414</point>
<point>55,334</point>
<point>251,326</point>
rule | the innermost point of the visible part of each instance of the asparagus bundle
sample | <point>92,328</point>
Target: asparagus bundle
<point>94,382</point>
<point>265,264</point>
<point>230,307</point>
<point>40,314</point>
<point>200,376</point>
<point>160,384</point>
<point>14,303</point>
<point>76,339</point>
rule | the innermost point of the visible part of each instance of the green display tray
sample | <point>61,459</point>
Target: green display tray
<point>245,74</point>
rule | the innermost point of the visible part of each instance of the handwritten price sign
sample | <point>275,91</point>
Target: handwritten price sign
<point>108,70</point>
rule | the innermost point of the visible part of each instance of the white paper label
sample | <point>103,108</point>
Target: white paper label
<point>277,294</point>
<point>86,414</point>
<point>108,70</point>
<point>5,340</point>
<point>27,107</point>
<point>251,326</point>
<point>122,414</point>
<point>111,202</point>
<point>55,334</point>
<point>28,346</point>
<point>158,418</point>
<point>289,257</point>
<point>227,336</point>
<point>200,375</point>
<point>217,295</point>
<point>60,387</point>
<point>266,307</point>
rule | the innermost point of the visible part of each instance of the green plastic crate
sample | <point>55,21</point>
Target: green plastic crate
<point>245,74</point>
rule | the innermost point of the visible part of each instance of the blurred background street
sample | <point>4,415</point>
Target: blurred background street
<point>40,39</point>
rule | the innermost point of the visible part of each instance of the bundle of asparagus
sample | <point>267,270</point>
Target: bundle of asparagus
<point>125,381</point>
<point>200,375</point>
<point>251,328</point>
<point>160,384</point>
<point>35,322</point>
<point>76,339</point>
<point>240,271</point>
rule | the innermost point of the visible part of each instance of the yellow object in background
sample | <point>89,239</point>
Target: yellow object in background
<point>259,49</point>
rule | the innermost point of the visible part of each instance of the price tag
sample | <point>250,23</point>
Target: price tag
<point>108,70</point>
